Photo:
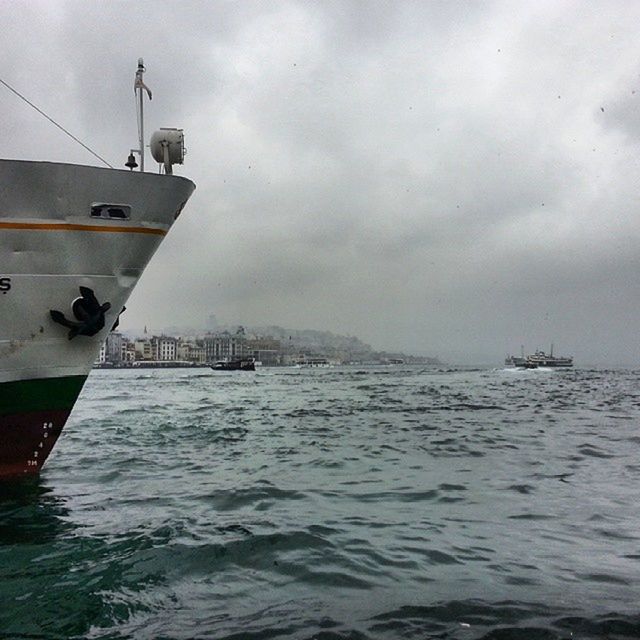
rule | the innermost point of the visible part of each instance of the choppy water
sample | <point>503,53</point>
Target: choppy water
<point>340,503</point>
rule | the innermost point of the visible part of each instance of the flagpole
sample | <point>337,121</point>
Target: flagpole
<point>139,86</point>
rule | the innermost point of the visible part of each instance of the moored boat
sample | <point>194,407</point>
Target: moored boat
<point>246,364</point>
<point>74,240</point>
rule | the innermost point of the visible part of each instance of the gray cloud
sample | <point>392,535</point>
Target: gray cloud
<point>446,178</point>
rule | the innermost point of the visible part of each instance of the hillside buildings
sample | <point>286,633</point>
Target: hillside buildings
<point>189,351</point>
<point>280,347</point>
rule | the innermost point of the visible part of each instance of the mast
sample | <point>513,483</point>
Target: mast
<point>139,86</point>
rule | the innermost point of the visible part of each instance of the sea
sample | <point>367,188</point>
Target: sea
<point>354,503</point>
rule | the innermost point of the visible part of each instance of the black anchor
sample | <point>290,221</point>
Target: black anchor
<point>88,312</point>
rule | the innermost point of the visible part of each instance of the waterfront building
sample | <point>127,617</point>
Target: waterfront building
<point>114,347</point>
<point>190,350</point>
<point>128,352</point>
<point>163,348</point>
<point>225,346</point>
<point>264,350</point>
<point>143,349</point>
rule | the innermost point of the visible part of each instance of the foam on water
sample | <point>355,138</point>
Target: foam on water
<point>395,502</point>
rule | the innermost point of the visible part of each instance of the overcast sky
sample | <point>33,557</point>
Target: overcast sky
<point>444,178</point>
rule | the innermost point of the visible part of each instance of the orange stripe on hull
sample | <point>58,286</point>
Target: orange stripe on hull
<point>66,226</point>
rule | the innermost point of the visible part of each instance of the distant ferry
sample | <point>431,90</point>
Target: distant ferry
<point>539,359</point>
<point>313,363</point>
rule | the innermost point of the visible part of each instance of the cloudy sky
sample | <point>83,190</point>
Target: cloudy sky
<point>446,178</point>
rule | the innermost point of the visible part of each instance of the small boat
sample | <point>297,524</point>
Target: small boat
<point>247,364</point>
<point>312,363</point>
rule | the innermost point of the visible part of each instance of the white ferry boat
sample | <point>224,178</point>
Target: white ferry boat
<point>541,359</point>
<point>74,240</point>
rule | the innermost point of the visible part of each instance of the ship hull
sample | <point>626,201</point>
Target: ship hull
<point>51,245</point>
<point>27,440</point>
<point>534,364</point>
<point>32,416</point>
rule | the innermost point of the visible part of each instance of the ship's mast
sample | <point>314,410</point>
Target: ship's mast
<point>139,73</point>
<point>167,145</point>
<point>139,87</point>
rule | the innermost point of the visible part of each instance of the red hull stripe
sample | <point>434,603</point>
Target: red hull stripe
<point>32,415</point>
<point>26,439</point>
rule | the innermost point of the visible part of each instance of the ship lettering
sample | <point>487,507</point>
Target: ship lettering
<point>5,285</point>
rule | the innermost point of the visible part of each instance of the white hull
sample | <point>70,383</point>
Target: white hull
<point>50,246</point>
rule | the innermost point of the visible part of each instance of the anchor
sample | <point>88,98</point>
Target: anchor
<point>89,315</point>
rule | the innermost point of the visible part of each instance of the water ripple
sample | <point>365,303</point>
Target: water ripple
<point>348,503</point>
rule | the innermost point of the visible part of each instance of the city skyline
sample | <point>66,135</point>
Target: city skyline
<point>268,346</point>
